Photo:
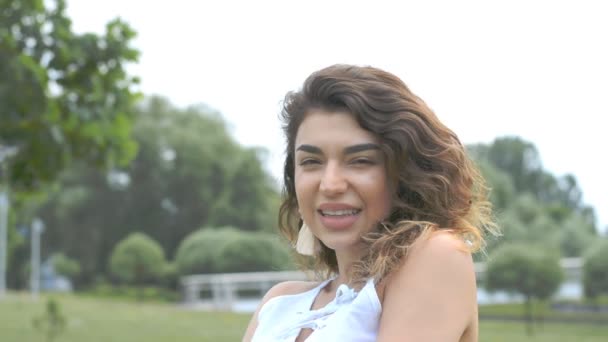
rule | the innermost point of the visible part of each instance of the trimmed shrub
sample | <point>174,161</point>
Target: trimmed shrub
<point>65,266</point>
<point>198,252</point>
<point>137,259</point>
<point>253,252</point>
<point>226,250</point>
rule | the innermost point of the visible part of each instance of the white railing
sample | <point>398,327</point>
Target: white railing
<point>224,287</point>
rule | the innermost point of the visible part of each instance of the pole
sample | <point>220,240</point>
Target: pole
<point>37,229</point>
<point>3,244</point>
<point>5,153</point>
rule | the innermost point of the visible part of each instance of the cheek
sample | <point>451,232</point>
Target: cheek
<point>303,188</point>
<point>381,198</point>
<point>387,201</point>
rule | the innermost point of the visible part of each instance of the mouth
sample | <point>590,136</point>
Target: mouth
<point>339,219</point>
<point>339,213</point>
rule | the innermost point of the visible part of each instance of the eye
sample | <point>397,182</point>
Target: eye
<point>362,161</point>
<point>309,161</point>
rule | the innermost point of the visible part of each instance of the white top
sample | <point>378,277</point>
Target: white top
<point>351,316</point>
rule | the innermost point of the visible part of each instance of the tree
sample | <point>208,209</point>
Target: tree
<point>188,173</point>
<point>226,250</point>
<point>65,266</point>
<point>521,161</point>
<point>512,228</point>
<point>517,157</point>
<point>502,190</point>
<point>526,220</point>
<point>533,272</point>
<point>198,251</point>
<point>595,270</point>
<point>64,96</point>
<point>575,236</point>
<point>531,204</point>
<point>253,252</point>
<point>137,260</point>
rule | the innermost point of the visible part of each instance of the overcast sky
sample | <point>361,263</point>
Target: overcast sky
<point>536,69</point>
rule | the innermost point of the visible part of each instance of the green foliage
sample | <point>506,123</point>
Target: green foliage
<point>513,155</point>
<point>529,270</point>
<point>225,250</point>
<point>532,205</point>
<point>595,270</point>
<point>65,266</point>
<point>52,322</point>
<point>198,251</point>
<point>205,173</point>
<point>64,96</point>
<point>251,252</point>
<point>188,173</point>
<point>573,240</point>
<point>501,184</point>
<point>169,276</point>
<point>527,207</point>
<point>137,259</point>
<point>513,229</point>
<point>520,160</point>
<point>527,220</point>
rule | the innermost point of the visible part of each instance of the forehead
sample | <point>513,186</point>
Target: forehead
<point>323,128</point>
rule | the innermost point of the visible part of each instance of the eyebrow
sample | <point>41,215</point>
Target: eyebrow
<point>360,148</point>
<point>348,150</point>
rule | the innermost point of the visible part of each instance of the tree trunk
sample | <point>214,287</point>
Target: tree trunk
<point>529,316</point>
<point>541,316</point>
<point>139,283</point>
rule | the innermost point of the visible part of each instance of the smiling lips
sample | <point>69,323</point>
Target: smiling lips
<point>338,216</point>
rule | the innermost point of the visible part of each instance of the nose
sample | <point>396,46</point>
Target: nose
<point>333,181</point>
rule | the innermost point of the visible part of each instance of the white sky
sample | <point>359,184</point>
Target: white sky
<point>536,69</point>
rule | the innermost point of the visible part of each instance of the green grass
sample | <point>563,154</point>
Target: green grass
<point>96,320</point>
<point>541,309</point>
<point>495,331</point>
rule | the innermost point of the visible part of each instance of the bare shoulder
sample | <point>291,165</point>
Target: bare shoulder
<point>434,286</point>
<point>442,255</point>
<point>280,289</point>
<point>440,244</point>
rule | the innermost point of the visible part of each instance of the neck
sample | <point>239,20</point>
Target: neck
<point>345,260</point>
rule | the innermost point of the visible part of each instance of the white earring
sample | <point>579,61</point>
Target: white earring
<point>306,241</point>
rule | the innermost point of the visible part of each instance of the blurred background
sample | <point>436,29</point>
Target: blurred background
<point>141,155</point>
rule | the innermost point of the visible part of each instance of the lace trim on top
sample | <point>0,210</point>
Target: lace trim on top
<point>316,319</point>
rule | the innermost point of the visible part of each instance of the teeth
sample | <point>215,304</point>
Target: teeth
<point>339,212</point>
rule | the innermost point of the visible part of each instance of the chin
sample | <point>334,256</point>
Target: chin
<point>343,244</point>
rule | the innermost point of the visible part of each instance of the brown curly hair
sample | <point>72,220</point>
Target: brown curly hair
<point>435,184</point>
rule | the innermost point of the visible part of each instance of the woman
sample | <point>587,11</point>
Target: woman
<point>382,199</point>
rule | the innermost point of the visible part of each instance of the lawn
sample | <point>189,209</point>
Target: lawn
<point>496,331</point>
<point>542,310</point>
<point>95,320</point>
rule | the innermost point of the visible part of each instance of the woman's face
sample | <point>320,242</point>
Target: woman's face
<point>340,178</point>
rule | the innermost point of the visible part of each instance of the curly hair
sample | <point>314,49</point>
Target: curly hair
<point>435,184</point>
